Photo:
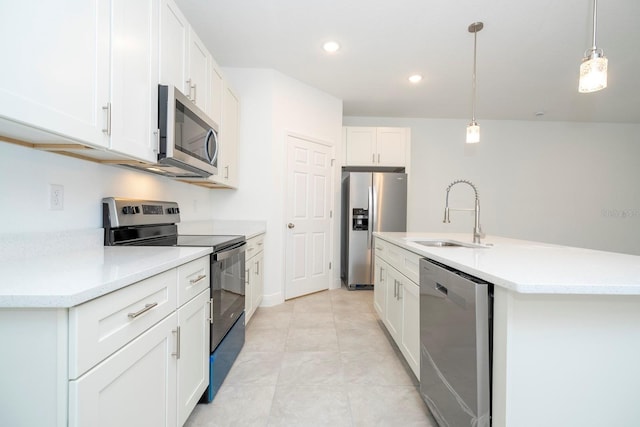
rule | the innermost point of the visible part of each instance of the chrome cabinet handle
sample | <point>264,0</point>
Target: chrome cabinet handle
<point>197,279</point>
<point>226,172</point>
<point>378,157</point>
<point>157,134</point>
<point>257,268</point>
<point>210,310</point>
<point>195,92</point>
<point>373,158</point>
<point>146,308</point>
<point>399,293</point>
<point>189,89</point>
<point>395,288</point>
<point>247,276</point>
<point>177,352</point>
<point>107,108</point>
<point>291,225</point>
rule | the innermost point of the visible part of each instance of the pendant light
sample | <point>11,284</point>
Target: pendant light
<point>593,70</point>
<point>473,130</point>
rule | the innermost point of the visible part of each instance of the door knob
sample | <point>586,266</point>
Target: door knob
<point>291,225</point>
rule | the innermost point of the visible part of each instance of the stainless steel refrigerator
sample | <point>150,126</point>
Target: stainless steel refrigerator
<point>371,201</point>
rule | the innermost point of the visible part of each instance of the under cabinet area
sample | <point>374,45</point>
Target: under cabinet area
<point>397,298</point>
<point>254,275</point>
<point>376,146</point>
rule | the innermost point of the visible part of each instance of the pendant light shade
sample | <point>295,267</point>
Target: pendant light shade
<point>473,129</point>
<point>593,70</point>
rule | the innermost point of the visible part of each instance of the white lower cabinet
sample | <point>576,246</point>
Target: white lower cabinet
<point>397,299</point>
<point>254,281</point>
<point>193,368</point>
<point>137,356</point>
<point>135,386</point>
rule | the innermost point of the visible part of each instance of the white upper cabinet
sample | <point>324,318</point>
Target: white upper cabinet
<point>134,78</point>
<point>184,60</point>
<point>376,146</point>
<point>55,68</point>
<point>199,72</point>
<point>174,37</point>
<point>229,132</point>
<point>216,88</point>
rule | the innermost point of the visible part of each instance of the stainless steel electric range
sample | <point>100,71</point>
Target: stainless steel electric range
<point>132,222</point>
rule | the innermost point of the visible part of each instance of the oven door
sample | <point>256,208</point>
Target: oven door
<point>227,290</point>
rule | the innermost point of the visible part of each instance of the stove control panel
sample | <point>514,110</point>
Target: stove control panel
<point>120,212</point>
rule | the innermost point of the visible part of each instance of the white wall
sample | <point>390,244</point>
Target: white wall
<point>574,184</point>
<point>271,105</point>
<point>25,175</point>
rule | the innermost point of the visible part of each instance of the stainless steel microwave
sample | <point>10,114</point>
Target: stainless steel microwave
<point>188,137</point>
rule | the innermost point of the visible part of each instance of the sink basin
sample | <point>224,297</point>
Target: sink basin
<point>438,243</point>
<point>444,243</point>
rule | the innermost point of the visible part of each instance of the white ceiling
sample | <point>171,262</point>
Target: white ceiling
<point>529,53</point>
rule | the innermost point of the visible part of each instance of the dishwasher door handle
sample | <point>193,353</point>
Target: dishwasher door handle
<point>442,289</point>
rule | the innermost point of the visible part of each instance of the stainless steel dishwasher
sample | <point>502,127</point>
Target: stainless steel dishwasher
<point>455,345</point>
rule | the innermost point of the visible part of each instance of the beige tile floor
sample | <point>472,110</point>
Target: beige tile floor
<point>319,360</point>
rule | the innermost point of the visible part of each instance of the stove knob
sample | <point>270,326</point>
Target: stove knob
<point>137,209</point>
<point>177,210</point>
<point>125,209</point>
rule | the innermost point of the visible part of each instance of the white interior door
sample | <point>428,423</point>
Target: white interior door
<point>308,206</point>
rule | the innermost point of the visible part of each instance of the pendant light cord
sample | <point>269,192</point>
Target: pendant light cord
<point>473,100</point>
<point>595,14</point>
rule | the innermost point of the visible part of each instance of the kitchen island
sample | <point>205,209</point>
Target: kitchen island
<point>566,337</point>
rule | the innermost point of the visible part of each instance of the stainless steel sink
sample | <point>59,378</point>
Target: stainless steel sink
<point>444,243</point>
<point>438,243</point>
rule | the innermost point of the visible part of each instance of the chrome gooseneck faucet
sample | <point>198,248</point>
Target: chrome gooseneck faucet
<point>477,230</point>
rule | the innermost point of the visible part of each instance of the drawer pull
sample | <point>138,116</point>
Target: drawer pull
<point>197,279</point>
<point>146,308</point>
<point>250,249</point>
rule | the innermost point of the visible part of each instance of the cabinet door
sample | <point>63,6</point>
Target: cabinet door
<point>360,146</point>
<point>55,66</point>
<point>258,283</point>
<point>380,285</point>
<point>199,78</point>
<point>174,36</point>
<point>248,285</point>
<point>229,133</point>
<point>410,342</point>
<point>393,314</point>
<point>391,147</point>
<point>135,386</point>
<point>216,90</point>
<point>193,357</point>
<point>134,78</point>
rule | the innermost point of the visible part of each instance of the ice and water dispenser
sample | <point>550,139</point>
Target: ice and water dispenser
<point>360,219</point>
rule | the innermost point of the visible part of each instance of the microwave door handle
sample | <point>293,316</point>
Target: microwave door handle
<point>211,134</point>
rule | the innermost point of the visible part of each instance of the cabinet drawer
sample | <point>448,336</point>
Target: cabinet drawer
<point>255,245</point>
<point>405,261</point>
<point>193,278</point>
<point>101,326</point>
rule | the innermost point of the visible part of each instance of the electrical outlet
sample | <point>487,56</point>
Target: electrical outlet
<point>56,197</point>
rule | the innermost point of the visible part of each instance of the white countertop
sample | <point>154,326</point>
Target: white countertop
<point>532,267</point>
<point>63,277</point>
<point>248,229</point>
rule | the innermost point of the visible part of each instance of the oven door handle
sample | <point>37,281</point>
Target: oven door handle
<point>230,252</point>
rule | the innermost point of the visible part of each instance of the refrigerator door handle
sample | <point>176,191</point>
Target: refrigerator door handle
<point>370,207</point>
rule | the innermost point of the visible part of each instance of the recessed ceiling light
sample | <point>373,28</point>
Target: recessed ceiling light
<point>331,46</point>
<point>416,78</point>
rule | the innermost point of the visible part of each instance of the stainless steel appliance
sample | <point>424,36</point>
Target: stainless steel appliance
<point>456,313</point>
<point>188,136</point>
<point>153,223</point>
<point>371,201</point>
